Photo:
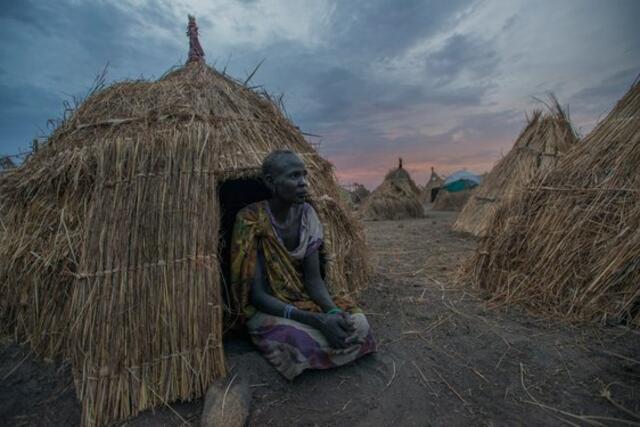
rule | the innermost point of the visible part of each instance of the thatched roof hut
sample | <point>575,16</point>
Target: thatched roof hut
<point>569,245</point>
<point>116,247</point>
<point>359,193</point>
<point>431,188</point>
<point>456,190</point>
<point>396,198</point>
<point>542,142</point>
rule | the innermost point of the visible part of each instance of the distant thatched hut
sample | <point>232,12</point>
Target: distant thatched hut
<point>431,188</point>
<point>456,190</point>
<point>359,193</point>
<point>116,248</point>
<point>569,245</point>
<point>541,144</point>
<point>396,198</point>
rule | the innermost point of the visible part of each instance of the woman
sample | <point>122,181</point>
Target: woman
<point>277,283</point>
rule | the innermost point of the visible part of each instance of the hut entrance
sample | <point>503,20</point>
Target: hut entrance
<point>434,194</point>
<point>235,194</point>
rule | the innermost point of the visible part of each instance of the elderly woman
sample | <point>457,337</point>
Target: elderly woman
<point>277,282</point>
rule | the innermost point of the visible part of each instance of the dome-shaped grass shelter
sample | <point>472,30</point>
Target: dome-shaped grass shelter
<point>359,193</point>
<point>569,246</point>
<point>431,188</point>
<point>544,140</point>
<point>115,251</point>
<point>396,198</point>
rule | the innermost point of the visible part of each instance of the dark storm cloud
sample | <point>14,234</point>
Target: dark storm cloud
<point>26,12</point>
<point>462,54</point>
<point>591,99</point>
<point>378,28</point>
<point>85,36</point>
<point>23,115</point>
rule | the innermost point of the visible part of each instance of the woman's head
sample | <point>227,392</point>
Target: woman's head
<point>284,172</point>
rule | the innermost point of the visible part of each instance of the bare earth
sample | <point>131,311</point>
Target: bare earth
<point>444,358</point>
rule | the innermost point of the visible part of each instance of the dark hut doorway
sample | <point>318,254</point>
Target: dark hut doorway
<point>434,194</point>
<point>233,195</point>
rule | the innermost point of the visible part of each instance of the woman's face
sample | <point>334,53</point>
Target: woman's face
<point>289,183</point>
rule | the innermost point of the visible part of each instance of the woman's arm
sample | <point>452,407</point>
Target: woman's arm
<point>314,284</point>
<point>334,328</point>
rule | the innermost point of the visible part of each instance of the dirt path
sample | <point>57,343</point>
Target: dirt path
<point>444,358</point>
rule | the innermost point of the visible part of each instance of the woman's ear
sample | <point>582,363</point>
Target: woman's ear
<point>268,181</point>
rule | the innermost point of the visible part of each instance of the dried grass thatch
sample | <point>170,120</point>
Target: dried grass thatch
<point>396,198</point>
<point>110,255</point>
<point>435,182</point>
<point>569,246</point>
<point>536,151</point>
<point>359,193</point>
<point>452,201</point>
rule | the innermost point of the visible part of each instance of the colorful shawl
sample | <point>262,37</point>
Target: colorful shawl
<point>254,229</point>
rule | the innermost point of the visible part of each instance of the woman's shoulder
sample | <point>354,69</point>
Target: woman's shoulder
<point>251,209</point>
<point>310,215</point>
<point>308,208</point>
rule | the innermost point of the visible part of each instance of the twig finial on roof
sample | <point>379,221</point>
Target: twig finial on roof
<point>195,50</point>
<point>400,163</point>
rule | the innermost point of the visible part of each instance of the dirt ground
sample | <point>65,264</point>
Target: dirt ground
<point>444,358</point>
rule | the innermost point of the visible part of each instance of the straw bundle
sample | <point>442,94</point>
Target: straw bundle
<point>395,198</point>
<point>110,253</point>
<point>536,151</point>
<point>569,246</point>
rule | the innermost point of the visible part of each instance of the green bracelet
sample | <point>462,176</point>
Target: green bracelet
<point>334,311</point>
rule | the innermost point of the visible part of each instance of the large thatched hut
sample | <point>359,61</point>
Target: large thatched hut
<point>116,252</point>
<point>543,141</point>
<point>431,188</point>
<point>456,190</point>
<point>396,198</point>
<point>569,246</point>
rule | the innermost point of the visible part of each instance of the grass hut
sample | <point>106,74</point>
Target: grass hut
<point>116,249</point>
<point>359,193</point>
<point>545,138</point>
<point>569,245</point>
<point>455,191</point>
<point>431,188</point>
<point>395,198</point>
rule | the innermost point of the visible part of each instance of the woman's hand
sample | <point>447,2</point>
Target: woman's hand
<point>353,337</point>
<point>338,329</point>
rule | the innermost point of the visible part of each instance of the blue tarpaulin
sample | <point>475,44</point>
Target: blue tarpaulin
<point>461,180</point>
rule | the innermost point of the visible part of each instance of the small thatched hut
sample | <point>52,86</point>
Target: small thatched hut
<point>569,245</point>
<point>540,145</point>
<point>456,190</point>
<point>116,255</point>
<point>431,188</point>
<point>396,198</point>
<point>359,193</point>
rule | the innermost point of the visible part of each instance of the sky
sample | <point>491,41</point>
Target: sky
<point>440,83</point>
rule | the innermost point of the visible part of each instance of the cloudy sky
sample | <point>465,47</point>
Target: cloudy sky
<point>440,83</point>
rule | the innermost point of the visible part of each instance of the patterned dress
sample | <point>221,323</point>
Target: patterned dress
<point>290,346</point>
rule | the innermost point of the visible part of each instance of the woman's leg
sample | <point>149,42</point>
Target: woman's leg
<point>291,347</point>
